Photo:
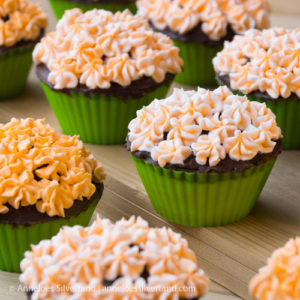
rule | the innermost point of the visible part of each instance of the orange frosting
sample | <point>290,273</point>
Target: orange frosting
<point>111,261</point>
<point>98,47</point>
<point>24,21</point>
<point>236,127</point>
<point>42,168</point>
<point>215,15</point>
<point>266,61</point>
<point>280,279</point>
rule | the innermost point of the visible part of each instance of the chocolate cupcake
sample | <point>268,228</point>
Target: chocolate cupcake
<point>98,68</point>
<point>204,156</point>
<point>280,278</point>
<point>199,29</point>
<point>47,181</point>
<point>59,6</point>
<point>125,260</point>
<point>264,65</point>
<point>22,25</point>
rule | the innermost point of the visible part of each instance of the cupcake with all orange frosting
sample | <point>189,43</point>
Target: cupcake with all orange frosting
<point>280,278</point>
<point>204,156</point>
<point>47,180</point>
<point>200,27</point>
<point>98,68</point>
<point>59,6</point>
<point>125,260</point>
<point>265,66</point>
<point>22,25</point>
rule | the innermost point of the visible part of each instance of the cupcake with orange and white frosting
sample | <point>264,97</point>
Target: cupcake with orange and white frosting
<point>280,278</point>
<point>22,25</point>
<point>125,260</point>
<point>47,181</point>
<point>199,29</point>
<point>264,66</point>
<point>98,68</point>
<point>204,156</point>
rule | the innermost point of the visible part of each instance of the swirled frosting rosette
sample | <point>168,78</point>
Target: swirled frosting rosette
<point>125,260</point>
<point>214,16</point>
<point>204,156</point>
<point>199,29</point>
<point>280,278</point>
<point>47,180</point>
<point>265,61</point>
<point>205,126</point>
<point>98,48</point>
<point>264,65</point>
<point>20,21</point>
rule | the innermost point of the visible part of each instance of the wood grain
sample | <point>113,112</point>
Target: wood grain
<point>230,255</point>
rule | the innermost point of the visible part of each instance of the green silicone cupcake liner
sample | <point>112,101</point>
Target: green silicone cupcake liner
<point>15,240</point>
<point>198,69</point>
<point>98,119</point>
<point>59,6</point>
<point>287,113</point>
<point>195,199</point>
<point>14,69</point>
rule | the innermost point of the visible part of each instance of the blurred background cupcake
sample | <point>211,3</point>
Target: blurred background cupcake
<point>98,68</point>
<point>125,260</point>
<point>199,29</point>
<point>265,66</point>
<point>47,181</point>
<point>204,156</point>
<point>22,25</point>
<point>280,278</point>
<point>59,6</point>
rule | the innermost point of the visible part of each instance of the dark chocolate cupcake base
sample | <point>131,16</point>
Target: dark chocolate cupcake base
<point>137,89</point>
<point>224,166</point>
<point>29,215</point>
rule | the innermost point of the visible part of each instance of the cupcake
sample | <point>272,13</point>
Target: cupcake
<point>199,29</point>
<point>22,25</point>
<point>98,68</point>
<point>125,260</point>
<point>204,156</point>
<point>280,279</point>
<point>47,181</point>
<point>59,6</point>
<point>265,66</point>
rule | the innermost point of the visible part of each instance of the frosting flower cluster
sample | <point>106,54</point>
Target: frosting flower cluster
<point>42,168</point>
<point>215,16</point>
<point>266,61</point>
<point>20,21</point>
<point>280,279</point>
<point>208,124</point>
<point>125,260</point>
<point>98,47</point>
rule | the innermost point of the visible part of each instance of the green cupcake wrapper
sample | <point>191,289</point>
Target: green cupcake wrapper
<point>194,199</point>
<point>98,119</point>
<point>287,113</point>
<point>59,6</point>
<point>16,240</point>
<point>15,65</point>
<point>198,68</point>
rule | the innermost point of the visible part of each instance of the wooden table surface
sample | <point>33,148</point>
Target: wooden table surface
<point>230,255</point>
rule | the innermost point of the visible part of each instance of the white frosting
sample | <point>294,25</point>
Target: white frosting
<point>174,128</point>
